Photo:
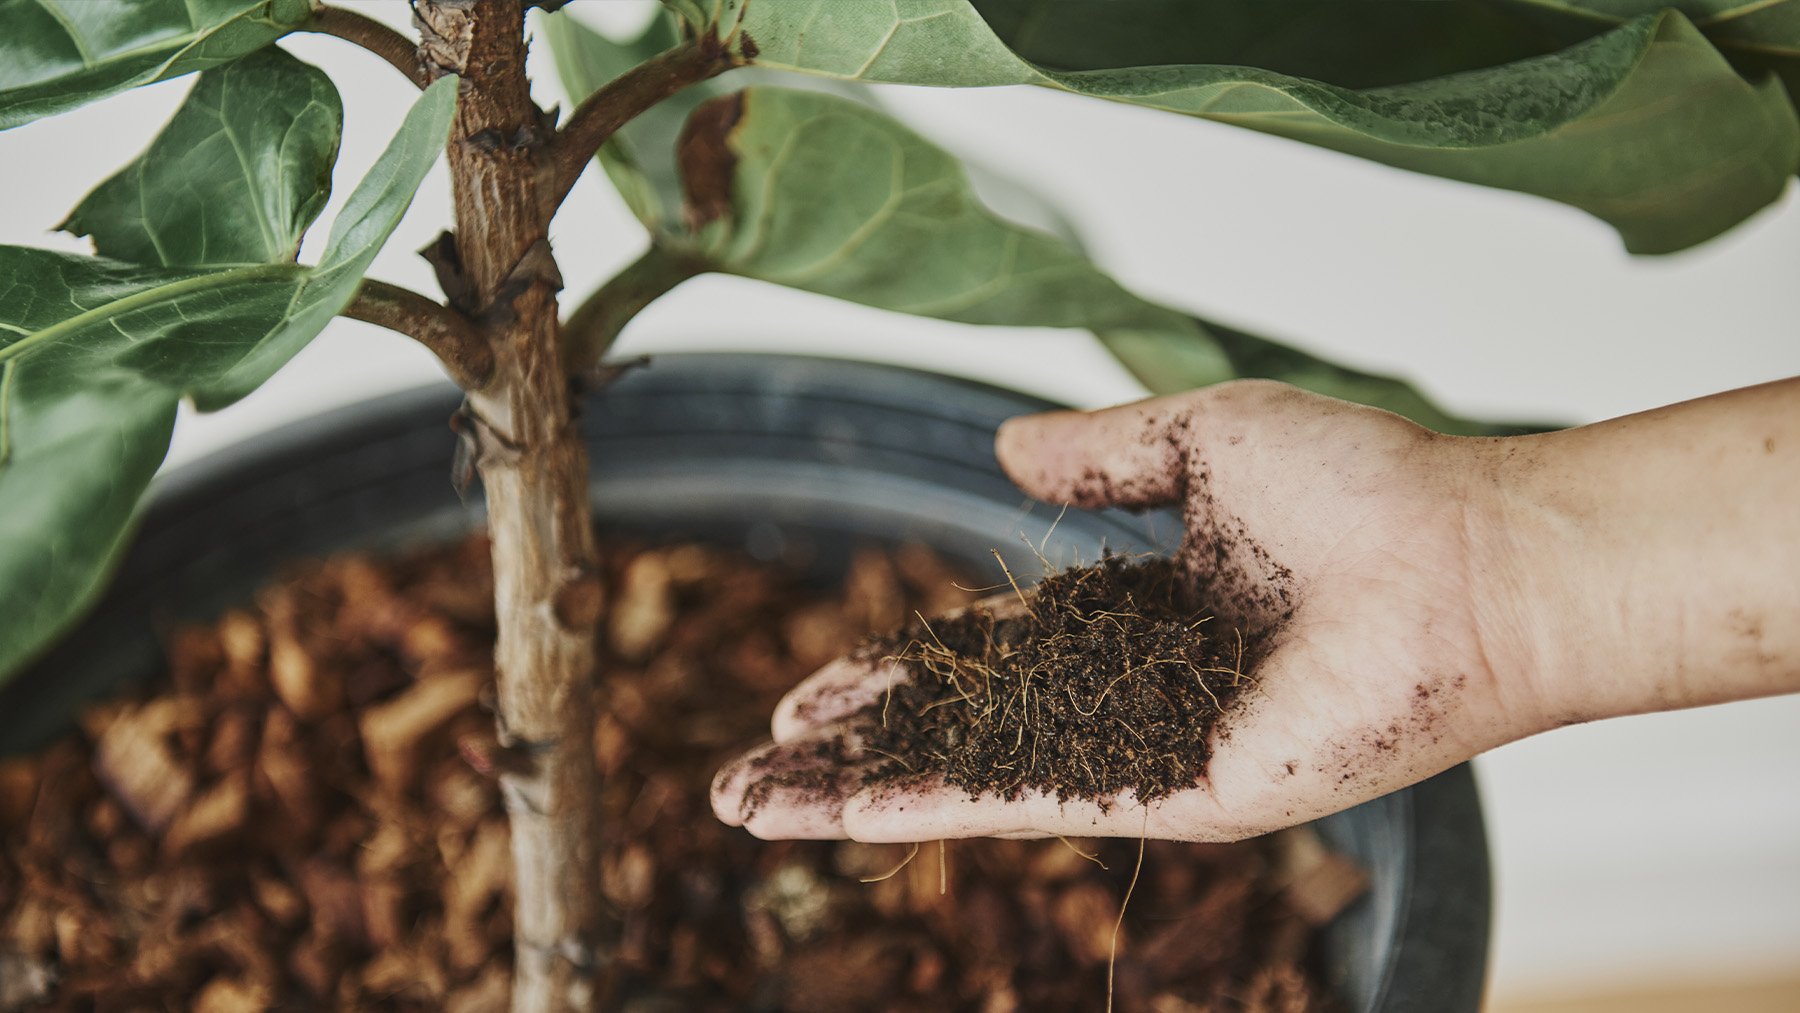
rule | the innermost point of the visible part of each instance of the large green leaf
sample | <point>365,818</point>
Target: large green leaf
<point>1645,126</point>
<point>818,193</point>
<point>1756,35</point>
<point>1359,43</point>
<point>95,353</point>
<point>1350,43</point>
<point>235,178</point>
<point>832,197</point>
<point>368,217</point>
<point>59,54</point>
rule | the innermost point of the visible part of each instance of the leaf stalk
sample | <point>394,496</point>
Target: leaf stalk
<point>454,338</point>
<point>590,331</point>
<point>373,36</point>
<point>617,103</point>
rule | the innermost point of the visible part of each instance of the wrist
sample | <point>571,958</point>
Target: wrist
<point>1531,570</point>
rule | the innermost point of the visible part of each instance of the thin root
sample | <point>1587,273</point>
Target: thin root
<point>904,862</point>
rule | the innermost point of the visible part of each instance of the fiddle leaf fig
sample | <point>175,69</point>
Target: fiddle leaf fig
<point>95,353</point>
<point>830,196</point>
<point>1757,36</point>
<point>56,55</point>
<point>235,178</point>
<point>1645,126</point>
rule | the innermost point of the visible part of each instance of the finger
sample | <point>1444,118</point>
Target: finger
<point>847,685</point>
<point>832,694</point>
<point>1129,456</point>
<point>883,814</point>
<point>791,791</point>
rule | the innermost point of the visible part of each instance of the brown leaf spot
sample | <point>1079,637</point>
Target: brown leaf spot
<point>707,162</point>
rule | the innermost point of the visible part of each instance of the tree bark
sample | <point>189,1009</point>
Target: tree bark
<point>534,469</point>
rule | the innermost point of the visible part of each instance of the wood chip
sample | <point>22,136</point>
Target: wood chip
<point>216,815</point>
<point>1318,883</point>
<point>136,763</point>
<point>395,732</point>
<point>233,995</point>
<point>645,608</point>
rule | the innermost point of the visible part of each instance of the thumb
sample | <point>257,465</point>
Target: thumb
<point>1130,456</point>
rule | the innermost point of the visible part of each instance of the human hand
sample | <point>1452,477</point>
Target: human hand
<point>1364,554</point>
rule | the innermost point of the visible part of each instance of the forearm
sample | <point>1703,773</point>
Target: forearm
<point>1659,553</point>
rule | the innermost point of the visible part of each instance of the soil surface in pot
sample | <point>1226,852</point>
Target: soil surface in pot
<point>303,815</point>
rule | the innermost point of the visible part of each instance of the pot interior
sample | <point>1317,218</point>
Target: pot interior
<point>792,459</point>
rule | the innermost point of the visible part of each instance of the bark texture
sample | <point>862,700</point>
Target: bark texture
<point>522,434</point>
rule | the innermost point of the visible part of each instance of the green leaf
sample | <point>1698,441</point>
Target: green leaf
<point>1758,36</point>
<point>235,178</point>
<point>73,462</point>
<point>56,55</point>
<point>368,217</point>
<point>830,196</point>
<point>95,353</point>
<point>1645,126</point>
<point>1349,43</point>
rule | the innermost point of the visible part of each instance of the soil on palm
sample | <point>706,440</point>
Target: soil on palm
<point>303,815</point>
<point>1104,679</point>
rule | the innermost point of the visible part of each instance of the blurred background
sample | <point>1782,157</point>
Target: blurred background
<point>1646,863</point>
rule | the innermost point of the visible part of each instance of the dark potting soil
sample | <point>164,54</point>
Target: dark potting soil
<point>297,818</point>
<point>1106,678</point>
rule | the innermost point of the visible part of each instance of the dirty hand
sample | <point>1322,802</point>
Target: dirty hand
<point>1418,599</point>
<point>1348,535</point>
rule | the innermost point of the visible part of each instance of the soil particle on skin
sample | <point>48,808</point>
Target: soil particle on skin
<point>1109,681</point>
<point>323,830</point>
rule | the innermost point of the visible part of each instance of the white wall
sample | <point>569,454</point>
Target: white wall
<point>1649,849</point>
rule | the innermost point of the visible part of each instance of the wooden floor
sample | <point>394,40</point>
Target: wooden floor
<point>1762,997</point>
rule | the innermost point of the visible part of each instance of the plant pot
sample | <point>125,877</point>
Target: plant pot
<point>791,458</point>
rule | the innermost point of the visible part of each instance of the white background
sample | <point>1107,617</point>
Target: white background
<point>1656,849</point>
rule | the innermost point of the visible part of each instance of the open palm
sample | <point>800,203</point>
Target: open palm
<point>1358,550</point>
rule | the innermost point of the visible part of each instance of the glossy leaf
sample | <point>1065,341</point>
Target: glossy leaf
<point>1758,36</point>
<point>830,196</point>
<point>235,178</point>
<point>73,463</point>
<point>1645,126</point>
<point>95,353</point>
<point>1349,43</point>
<point>368,217</point>
<point>56,55</point>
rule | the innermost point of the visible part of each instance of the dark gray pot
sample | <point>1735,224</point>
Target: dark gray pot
<point>790,457</point>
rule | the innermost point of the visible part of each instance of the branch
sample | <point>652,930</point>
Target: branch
<point>450,335</point>
<point>620,101</point>
<point>373,36</point>
<point>591,330</point>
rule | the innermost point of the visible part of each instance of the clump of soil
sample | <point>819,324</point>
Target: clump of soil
<point>298,818</point>
<point>1105,679</point>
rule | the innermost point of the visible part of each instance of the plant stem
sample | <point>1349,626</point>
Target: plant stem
<point>458,343</point>
<point>534,468</point>
<point>591,330</point>
<point>373,36</point>
<point>617,103</point>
